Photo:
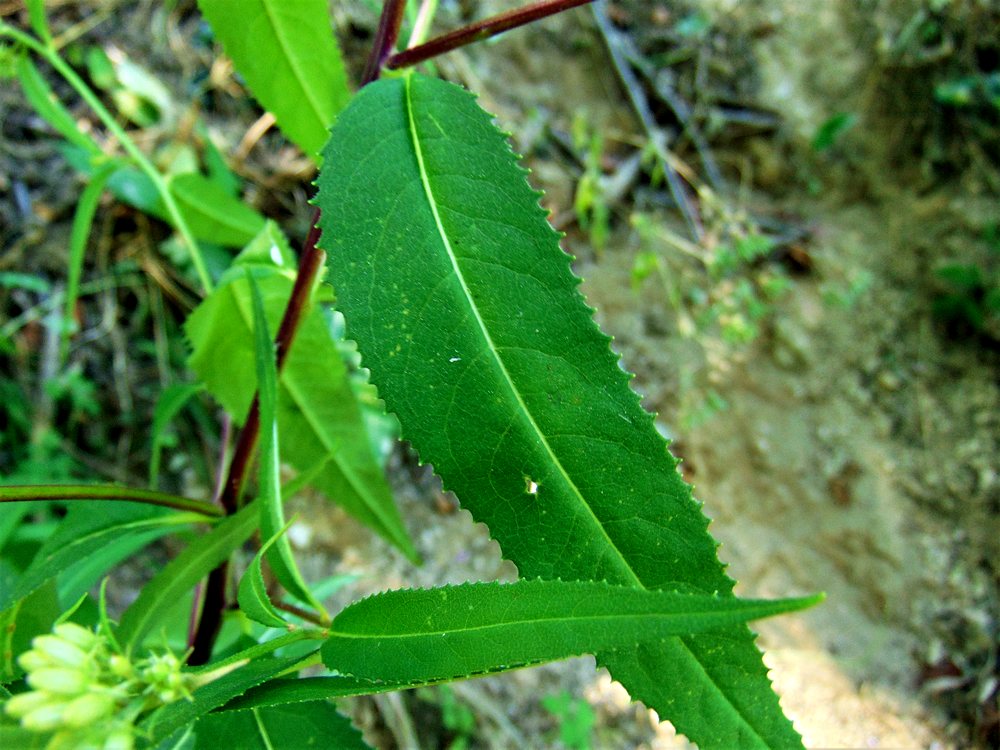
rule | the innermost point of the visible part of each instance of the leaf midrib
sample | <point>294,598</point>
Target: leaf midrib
<point>492,348</point>
<point>487,627</point>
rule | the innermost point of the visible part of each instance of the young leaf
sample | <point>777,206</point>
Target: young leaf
<point>455,632</point>
<point>44,101</point>
<point>318,411</point>
<point>272,518</point>
<point>470,320</point>
<point>287,54</point>
<point>183,572</point>
<point>316,724</point>
<point>213,214</point>
<point>252,594</point>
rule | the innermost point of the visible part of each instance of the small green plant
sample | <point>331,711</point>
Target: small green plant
<point>723,291</point>
<point>589,202</point>
<point>457,718</point>
<point>467,316</point>
<point>576,719</point>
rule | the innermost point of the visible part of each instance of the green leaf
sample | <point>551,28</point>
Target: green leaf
<point>252,594</point>
<point>213,214</point>
<point>272,517</point>
<point>183,572</point>
<point>218,170</point>
<point>468,316</point>
<point>41,96</point>
<point>39,23</point>
<point>83,219</point>
<point>84,537</point>
<point>318,411</point>
<point>20,623</point>
<point>287,54</point>
<point>316,724</point>
<point>22,739</point>
<point>455,632</point>
<point>280,692</point>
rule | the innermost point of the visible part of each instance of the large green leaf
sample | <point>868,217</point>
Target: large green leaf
<point>287,54</point>
<point>471,322</point>
<point>454,632</point>
<point>319,417</point>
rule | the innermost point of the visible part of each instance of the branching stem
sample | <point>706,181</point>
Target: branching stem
<point>310,263</point>
<point>385,39</point>
<point>480,30</point>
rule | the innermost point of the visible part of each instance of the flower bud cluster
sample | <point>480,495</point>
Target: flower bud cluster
<point>88,693</point>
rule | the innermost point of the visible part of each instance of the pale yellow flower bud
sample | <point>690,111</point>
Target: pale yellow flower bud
<point>58,680</point>
<point>120,740</point>
<point>88,709</point>
<point>120,666</point>
<point>44,718</point>
<point>77,635</point>
<point>62,652</point>
<point>25,703</point>
<point>32,660</point>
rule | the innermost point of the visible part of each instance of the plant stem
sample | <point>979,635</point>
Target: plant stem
<point>309,267</point>
<point>310,263</point>
<point>51,56</point>
<point>385,39</point>
<point>302,614</point>
<point>71,492</point>
<point>214,603</point>
<point>480,30</point>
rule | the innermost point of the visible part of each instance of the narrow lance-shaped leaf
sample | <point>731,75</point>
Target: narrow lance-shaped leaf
<point>90,534</point>
<point>456,632</point>
<point>183,572</point>
<point>43,99</point>
<point>272,516</point>
<point>287,54</point>
<point>171,400</point>
<point>252,593</point>
<point>471,323</point>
